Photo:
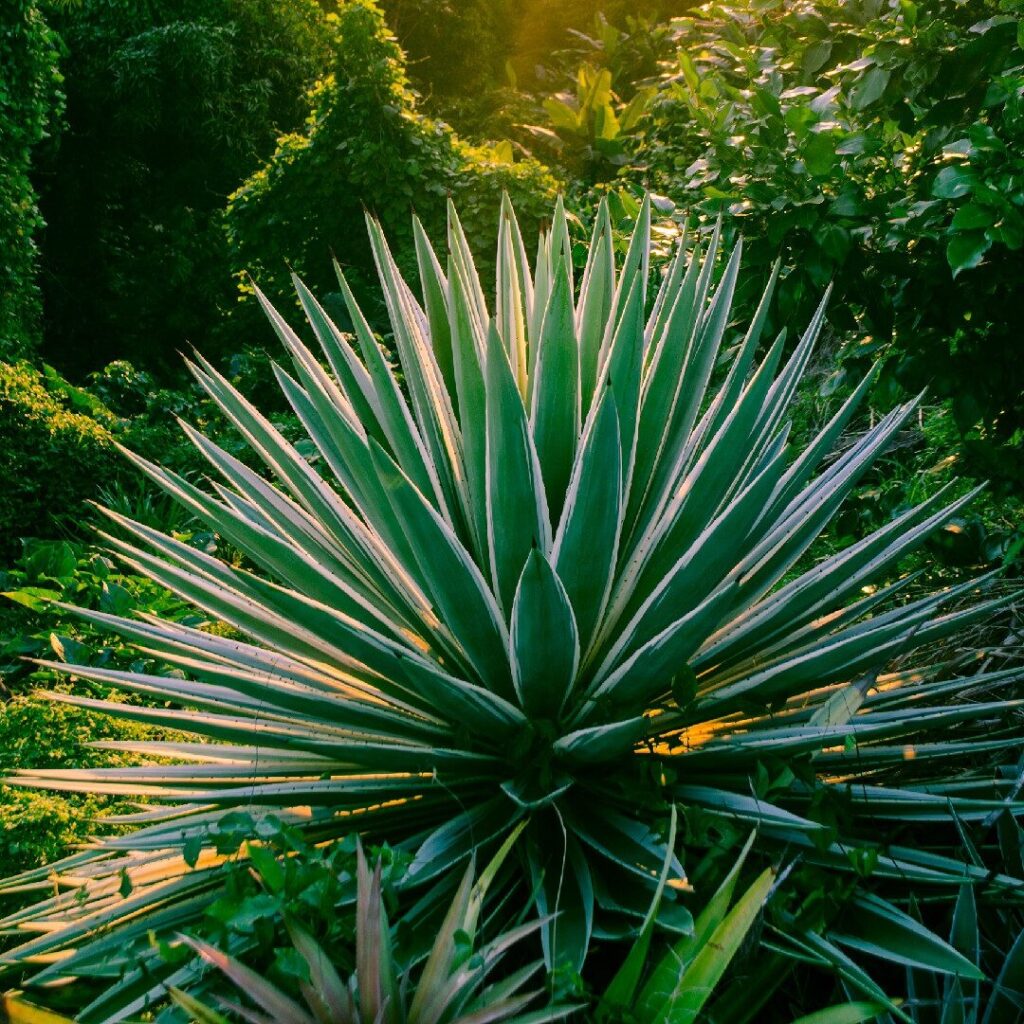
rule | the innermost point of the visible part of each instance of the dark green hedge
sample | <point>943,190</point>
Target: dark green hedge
<point>170,104</point>
<point>30,100</point>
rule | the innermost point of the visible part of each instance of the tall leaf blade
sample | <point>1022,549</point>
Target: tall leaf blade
<point>586,543</point>
<point>555,400</point>
<point>544,640</point>
<point>517,513</point>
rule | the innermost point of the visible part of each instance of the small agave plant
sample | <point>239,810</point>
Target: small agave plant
<point>454,986</point>
<point>548,569</point>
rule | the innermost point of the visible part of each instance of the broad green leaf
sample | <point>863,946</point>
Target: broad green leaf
<point>966,251</point>
<point>953,181</point>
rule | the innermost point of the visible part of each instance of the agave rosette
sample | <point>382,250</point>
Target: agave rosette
<point>550,568</point>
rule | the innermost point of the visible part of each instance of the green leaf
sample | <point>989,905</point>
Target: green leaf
<point>517,511</point>
<point>435,288</point>
<point>1005,1000</point>
<point>692,987</point>
<point>199,1011</point>
<point>555,400</point>
<point>565,899</point>
<point>972,215</point>
<point>844,1013</point>
<point>462,834</point>
<point>965,252</point>
<point>115,599</point>
<point>623,986</point>
<point>513,297</point>
<point>455,582</point>
<point>875,926</point>
<point>545,644</point>
<point>55,559</point>
<point>869,87</point>
<point>35,598</point>
<point>953,182</point>
<point>595,302</point>
<point>819,153</point>
<point>586,542</point>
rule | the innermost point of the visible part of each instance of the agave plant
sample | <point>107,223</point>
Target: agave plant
<point>549,568</point>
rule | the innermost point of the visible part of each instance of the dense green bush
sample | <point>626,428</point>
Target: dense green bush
<point>365,145</point>
<point>170,105</point>
<point>37,828</point>
<point>29,102</point>
<point>877,146</point>
<point>546,27</point>
<point>56,450</point>
<point>455,49</point>
<point>58,443</point>
<point>149,411</point>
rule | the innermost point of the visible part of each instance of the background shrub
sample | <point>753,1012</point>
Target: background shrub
<point>30,101</point>
<point>170,104</point>
<point>365,146</point>
<point>38,827</point>
<point>53,454</point>
<point>879,147</point>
